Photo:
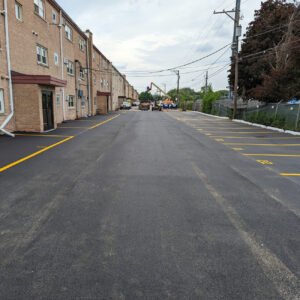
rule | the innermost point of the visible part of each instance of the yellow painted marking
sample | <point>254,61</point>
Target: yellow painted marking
<point>34,154</point>
<point>268,145</point>
<point>200,129</point>
<point>256,138</point>
<point>43,135</point>
<point>287,174</point>
<point>274,155</point>
<point>71,127</point>
<point>235,128</point>
<point>264,162</point>
<point>257,132</point>
<point>238,149</point>
<point>208,134</point>
<point>219,140</point>
<point>104,122</point>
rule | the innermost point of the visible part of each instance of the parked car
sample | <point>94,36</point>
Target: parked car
<point>126,105</point>
<point>136,103</point>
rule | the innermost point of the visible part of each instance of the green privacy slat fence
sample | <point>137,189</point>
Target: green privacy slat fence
<point>286,116</point>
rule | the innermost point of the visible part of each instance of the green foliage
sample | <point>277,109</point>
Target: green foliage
<point>208,101</point>
<point>144,96</point>
<point>273,76</point>
<point>268,120</point>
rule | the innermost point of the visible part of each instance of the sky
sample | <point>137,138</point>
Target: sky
<point>142,36</point>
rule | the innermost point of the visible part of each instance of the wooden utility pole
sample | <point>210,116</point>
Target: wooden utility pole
<point>178,80</point>
<point>206,82</point>
<point>235,48</point>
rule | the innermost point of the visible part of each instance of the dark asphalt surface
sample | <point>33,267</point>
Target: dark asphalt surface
<point>147,207</point>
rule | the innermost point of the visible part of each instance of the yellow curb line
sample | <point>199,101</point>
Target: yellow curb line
<point>34,154</point>
<point>103,122</point>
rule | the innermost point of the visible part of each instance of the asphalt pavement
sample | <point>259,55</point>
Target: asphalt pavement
<point>150,205</point>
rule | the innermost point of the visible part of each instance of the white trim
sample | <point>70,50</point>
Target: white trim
<point>204,114</point>
<point>266,127</point>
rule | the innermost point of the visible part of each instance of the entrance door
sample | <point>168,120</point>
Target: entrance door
<point>107,104</point>
<point>48,119</point>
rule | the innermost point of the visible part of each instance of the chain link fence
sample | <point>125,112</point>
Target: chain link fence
<point>281,115</point>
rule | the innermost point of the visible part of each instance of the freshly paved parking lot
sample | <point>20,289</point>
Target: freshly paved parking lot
<point>28,145</point>
<point>149,205</point>
<point>271,149</point>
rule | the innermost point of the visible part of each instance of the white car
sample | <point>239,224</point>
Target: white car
<point>126,105</point>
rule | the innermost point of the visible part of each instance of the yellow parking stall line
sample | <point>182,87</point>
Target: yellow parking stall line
<point>268,145</point>
<point>72,127</point>
<point>34,154</point>
<point>43,135</point>
<point>290,174</point>
<point>219,140</point>
<point>238,149</point>
<point>272,155</point>
<point>104,122</point>
<point>256,138</point>
<point>220,127</point>
<point>266,132</point>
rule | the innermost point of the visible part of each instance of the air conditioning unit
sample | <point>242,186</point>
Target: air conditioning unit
<point>66,61</point>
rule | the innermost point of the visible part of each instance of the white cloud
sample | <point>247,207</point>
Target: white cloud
<point>157,34</point>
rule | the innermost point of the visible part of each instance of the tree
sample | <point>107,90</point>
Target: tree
<point>144,96</point>
<point>269,69</point>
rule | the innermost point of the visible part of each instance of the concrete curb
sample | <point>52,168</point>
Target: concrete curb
<point>267,127</point>
<point>204,114</point>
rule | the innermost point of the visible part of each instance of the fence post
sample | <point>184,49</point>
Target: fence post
<point>297,118</point>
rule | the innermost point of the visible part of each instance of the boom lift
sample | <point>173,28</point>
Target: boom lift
<point>158,107</point>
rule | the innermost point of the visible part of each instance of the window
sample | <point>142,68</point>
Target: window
<point>39,8</point>
<point>1,102</point>
<point>81,44</point>
<point>56,59</point>
<point>19,11</point>
<point>82,101</point>
<point>68,30</point>
<point>57,99</point>
<point>81,73</point>
<point>70,68</point>
<point>70,100</point>
<point>54,21</point>
<point>42,56</point>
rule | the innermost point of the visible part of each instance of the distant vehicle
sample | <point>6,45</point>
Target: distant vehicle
<point>145,105</point>
<point>136,103</point>
<point>166,105</point>
<point>174,106</point>
<point>126,105</point>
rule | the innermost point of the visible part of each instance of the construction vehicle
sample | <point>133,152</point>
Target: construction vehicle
<point>156,105</point>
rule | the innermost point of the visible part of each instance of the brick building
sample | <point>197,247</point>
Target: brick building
<point>55,70</point>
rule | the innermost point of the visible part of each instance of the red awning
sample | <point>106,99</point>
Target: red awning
<point>38,79</point>
<point>103,93</point>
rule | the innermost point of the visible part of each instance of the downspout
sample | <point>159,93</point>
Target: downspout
<point>9,76</point>
<point>62,64</point>
<point>76,91</point>
<point>88,76</point>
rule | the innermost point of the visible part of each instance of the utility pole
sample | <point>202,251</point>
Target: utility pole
<point>237,31</point>
<point>206,82</point>
<point>177,72</point>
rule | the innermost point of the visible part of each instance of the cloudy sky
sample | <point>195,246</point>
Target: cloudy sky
<point>141,36</point>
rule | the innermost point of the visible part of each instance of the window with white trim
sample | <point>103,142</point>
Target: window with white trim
<point>81,73</point>
<point>54,20</point>
<point>70,100</point>
<point>56,59</point>
<point>70,68</point>
<point>39,8</point>
<point>57,99</point>
<point>1,102</point>
<point>82,100</point>
<point>42,55</point>
<point>68,31</point>
<point>19,11</point>
<point>81,44</point>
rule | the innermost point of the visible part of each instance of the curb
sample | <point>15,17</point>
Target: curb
<point>267,127</point>
<point>204,114</point>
